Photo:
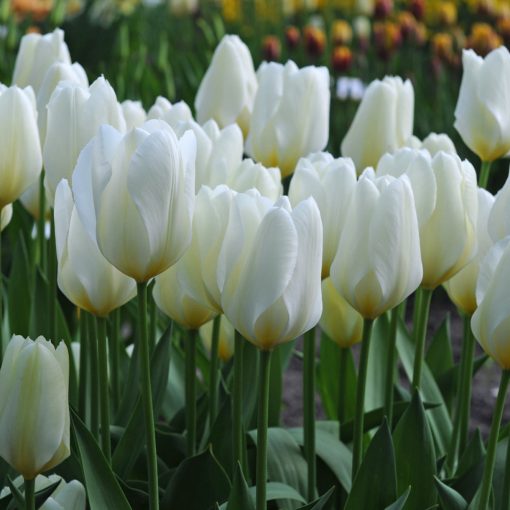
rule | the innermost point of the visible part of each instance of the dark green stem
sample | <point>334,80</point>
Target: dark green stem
<point>342,389</point>
<point>152,323</point>
<point>505,497</point>
<point>213,378</point>
<point>84,367</point>
<point>41,238</point>
<point>466,388</point>
<point>190,348</point>
<point>237,402</point>
<point>263,413</point>
<point>357,447</point>
<point>420,333</point>
<point>490,457</point>
<point>483,180</point>
<point>94,381</point>
<point>309,410</point>
<point>103,388</point>
<point>145,374</point>
<point>30,494</point>
<point>52,284</point>
<point>114,343</point>
<point>390,369</point>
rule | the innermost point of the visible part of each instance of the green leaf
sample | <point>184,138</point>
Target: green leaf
<point>39,314</point>
<point>221,436</point>
<point>275,389</point>
<point>319,504</point>
<point>130,445</point>
<point>240,496</point>
<point>439,355</point>
<point>440,423</point>
<point>198,483</point>
<point>103,489</point>
<point>449,498</point>
<point>174,396</point>
<point>250,384</point>
<point>16,494</point>
<point>415,459</point>
<point>399,504</point>
<point>332,452</point>
<point>375,485</point>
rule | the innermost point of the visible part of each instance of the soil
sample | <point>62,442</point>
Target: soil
<point>485,382</point>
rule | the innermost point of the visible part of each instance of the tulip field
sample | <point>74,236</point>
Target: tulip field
<point>196,198</point>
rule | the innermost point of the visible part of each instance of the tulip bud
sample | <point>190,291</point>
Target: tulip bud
<point>339,320</point>
<point>315,40</point>
<point>378,262</point>
<point>67,496</point>
<point>482,114</point>
<point>20,149</point>
<point>341,59</point>
<point>462,287</point>
<point>417,7</point>
<point>228,101</point>
<point>341,33</point>
<point>280,133</point>
<point>35,56</point>
<point>391,101</point>
<point>34,422</point>
<point>490,322</point>
<point>135,196</point>
<point>86,278</point>
<point>5,216</point>
<point>271,48</point>
<point>269,269</point>
<point>249,175</point>
<point>445,192</point>
<point>331,183</point>
<point>74,116</point>
<point>226,338</point>
<point>134,114</point>
<point>436,142</point>
<point>292,37</point>
<point>172,114</point>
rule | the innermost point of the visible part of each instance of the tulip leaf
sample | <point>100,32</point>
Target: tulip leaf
<point>375,485</point>
<point>327,379</point>
<point>449,498</point>
<point>240,496</point>
<point>171,447</point>
<point>16,493</point>
<point>197,484</point>
<point>320,503</point>
<point>412,434</point>
<point>103,489</point>
<point>129,445</point>
<point>439,354</point>
<point>399,504</point>
<point>440,423</point>
<point>332,452</point>
<point>221,436</point>
<point>39,314</point>
<point>250,384</point>
<point>174,396</point>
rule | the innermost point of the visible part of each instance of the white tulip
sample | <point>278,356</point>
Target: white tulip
<point>134,114</point>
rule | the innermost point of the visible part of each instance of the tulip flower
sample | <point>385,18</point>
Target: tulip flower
<point>86,278</point>
<point>482,114</point>
<point>134,114</point>
<point>331,183</point>
<point>5,216</point>
<point>437,142</point>
<point>74,116</point>
<point>445,193</point>
<point>67,496</point>
<point>251,175</point>
<point>135,196</point>
<point>36,55</point>
<point>281,133</point>
<point>225,339</point>
<point>391,101</point>
<point>34,408</point>
<point>20,150</point>
<point>499,219</point>
<point>219,151</point>
<point>228,101</point>
<point>172,114</point>
<point>461,288</point>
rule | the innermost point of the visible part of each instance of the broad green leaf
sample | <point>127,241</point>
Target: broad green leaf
<point>399,504</point>
<point>415,459</point>
<point>174,395</point>
<point>332,452</point>
<point>103,490</point>
<point>240,496</point>
<point>171,447</point>
<point>221,437</point>
<point>39,314</point>
<point>440,423</point>
<point>439,354</point>
<point>250,384</point>
<point>375,485</point>
<point>198,483</point>
<point>320,503</point>
<point>449,498</point>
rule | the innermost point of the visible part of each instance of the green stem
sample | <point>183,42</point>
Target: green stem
<point>357,448</point>
<point>30,494</point>
<point>309,410</point>
<point>390,369</point>
<point>52,284</point>
<point>465,394</point>
<point>191,399</point>
<point>263,413</point>
<point>41,238</point>
<point>84,357</point>
<point>114,356</point>
<point>94,384</point>
<point>213,378</point>
<point>145,374</point>
<point>237,402</point>
<point>420,333</point>
<point>152,322</point>
<point>103,388</point>
<point>342,390</point>
<point>505,498</point>
<point>490,458</point>
<point>483,180</point>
